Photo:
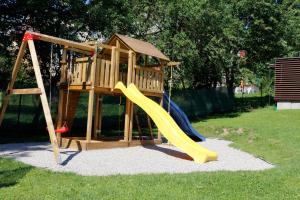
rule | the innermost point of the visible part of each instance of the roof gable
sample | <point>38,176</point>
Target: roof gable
<point>140,46</point>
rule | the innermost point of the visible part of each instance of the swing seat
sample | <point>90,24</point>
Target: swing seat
<point>63,129</point>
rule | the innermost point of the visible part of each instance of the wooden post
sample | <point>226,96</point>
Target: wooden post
<point>44,100</point>
<point>98,116</point>
<point>150,126</point>
<point>113,68</point>
<point>133,68</point>
<point>12,80</point>
<point>117,70</point>
<point>138,123</point>
<point>61,98</point>
<point>126,125</point>
<point>130,121</point>
<point>129,73</point>
<point>91,98</point>
<point>129,106</point>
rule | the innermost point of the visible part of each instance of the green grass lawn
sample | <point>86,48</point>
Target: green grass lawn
<point>272,135</point>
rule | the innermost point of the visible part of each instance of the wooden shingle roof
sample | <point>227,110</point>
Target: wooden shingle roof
<point>140,46</point>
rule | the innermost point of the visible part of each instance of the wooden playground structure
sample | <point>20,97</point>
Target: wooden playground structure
<point>95,70</point>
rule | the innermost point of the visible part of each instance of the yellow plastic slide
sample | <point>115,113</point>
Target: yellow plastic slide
<point>167,125</point>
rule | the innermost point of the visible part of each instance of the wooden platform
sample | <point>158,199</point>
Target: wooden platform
<point>80,143</point>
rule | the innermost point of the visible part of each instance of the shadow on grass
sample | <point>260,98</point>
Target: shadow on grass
<point>10,178</point>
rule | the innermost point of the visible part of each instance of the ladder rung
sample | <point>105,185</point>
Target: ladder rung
<point>26,91</point>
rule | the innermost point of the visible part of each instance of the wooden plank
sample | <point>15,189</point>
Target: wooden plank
<point>102,71</point>
<point>170,64</point>
<point>78,50</point>
<point>126,125</point>
<point>145,80</point>
<point>79,76</point>
<point>130,66</point>
<point>161,82</point>
<point>112,68</point>
<point>150,126</point>
<point>105,46</point>
<point>133,67</point>
<point>149,80</point>
<point>12,79</point>
<point>138,123</point>
<point>44,101</point>
<point>60,41</point>
<point>97,72</point>
<point>130,121</point>
<point>117,70</point>
<point>61,97</point>
<point>26,91</point>
<point>156,86</point>
<point>141,79</point>
<point>98,116</point>
<point>60,112</point>
<point>137,78</point>
<point>106,76</point>
<point>84,70</point>
<point>91,100</point>
<point>148,69</point>
<point>63,70</point>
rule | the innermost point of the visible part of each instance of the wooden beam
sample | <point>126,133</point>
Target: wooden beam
<point>117,70</point>
<point>173,64</point>
<point>26,91</point>
<point>150,126</point>
<point>138,123</point>
<point>79,50</point>
<point>126,125</point>
<point>113,68</point>
<point>13,79</point>
<point>91,99</point>
<point>133,67</point>
<point>131,106</point>
<point>98,117</point>
<point>62,96</point>
<point>129,72</point>
<point>44,101</point>
<point>60,41</point>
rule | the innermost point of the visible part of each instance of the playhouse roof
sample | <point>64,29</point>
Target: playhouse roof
<point>139,46</point>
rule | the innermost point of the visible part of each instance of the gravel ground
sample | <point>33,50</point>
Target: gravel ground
<point>134,160</point>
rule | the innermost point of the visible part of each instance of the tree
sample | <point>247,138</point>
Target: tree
<point>61,18</point>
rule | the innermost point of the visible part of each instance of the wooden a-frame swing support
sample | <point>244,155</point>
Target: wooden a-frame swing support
<point>88,49</point>
<point>28,40</point>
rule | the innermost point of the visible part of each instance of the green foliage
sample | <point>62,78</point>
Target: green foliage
<point>62,18</point>
<point>205,36</point>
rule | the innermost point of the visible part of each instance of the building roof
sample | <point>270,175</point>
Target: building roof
<point>140,46</point>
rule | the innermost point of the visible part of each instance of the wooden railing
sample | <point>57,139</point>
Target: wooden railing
<point>148,79</point>
<point>81,71</point>
<point>108,73</point>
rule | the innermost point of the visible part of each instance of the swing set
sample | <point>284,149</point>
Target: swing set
<point>94,68</point>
